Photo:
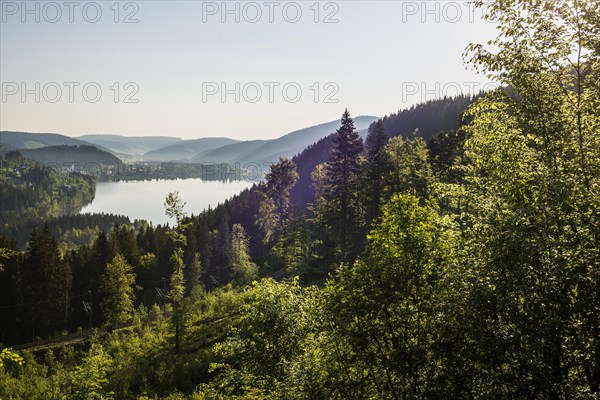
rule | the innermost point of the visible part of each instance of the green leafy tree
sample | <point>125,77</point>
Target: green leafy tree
<point>90,379</point>
<point>117,284</point>
<point>267,338</point>
<point>324,244</point>
<point>174,206</point>
<point>533,226</point>
<point>384,306</point>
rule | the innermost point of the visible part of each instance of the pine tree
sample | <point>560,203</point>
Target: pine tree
<point>342,168</point>
<point>376,139</point>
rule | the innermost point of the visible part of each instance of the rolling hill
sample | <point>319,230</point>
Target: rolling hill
<point>28,140</point>
<point>80,158</point>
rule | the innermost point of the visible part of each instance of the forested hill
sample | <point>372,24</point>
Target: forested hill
<point>80,158</point>
<point>27,140</point>
<point>424,120</point>
<point>34,192</point>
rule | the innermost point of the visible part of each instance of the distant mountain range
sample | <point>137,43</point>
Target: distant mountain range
<point>185,150</point>
<point>130,148</point>
<point>165,148</point>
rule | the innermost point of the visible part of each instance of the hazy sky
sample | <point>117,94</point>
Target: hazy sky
<point>175,58</point>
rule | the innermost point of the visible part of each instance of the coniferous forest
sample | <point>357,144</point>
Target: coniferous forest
<point>452,254</point>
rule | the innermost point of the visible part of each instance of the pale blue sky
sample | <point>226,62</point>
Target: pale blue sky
<point>377,54</point>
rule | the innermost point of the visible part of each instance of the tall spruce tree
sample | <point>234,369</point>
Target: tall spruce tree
<point>342,168</point>
<point>376,139</point>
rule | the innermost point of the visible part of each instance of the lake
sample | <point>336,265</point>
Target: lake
<point>145,199</point>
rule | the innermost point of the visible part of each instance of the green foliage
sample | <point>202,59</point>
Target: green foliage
<point>267,338</point>
<point>174,206</point>
<point>532,223</point>
<point>5,253</point>
<point>8,355</point>
<point>90,378</point>
<point>275,207</point>
<point>374,171</point>
<point>407,168</point>
<point>381,313</point>
<point>277,219</point>
<point>244,271</point>
<point>174,209</point>
<point>117,288</point>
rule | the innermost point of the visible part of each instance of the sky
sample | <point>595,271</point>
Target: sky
<point>245,70</point>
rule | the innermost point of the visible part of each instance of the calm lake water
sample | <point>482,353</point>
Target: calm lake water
<point>145,199</point>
